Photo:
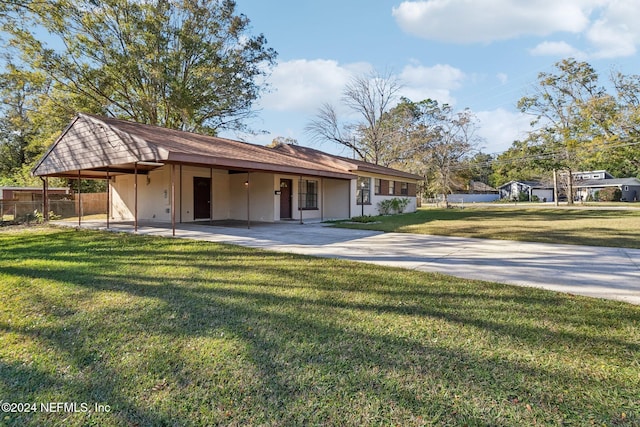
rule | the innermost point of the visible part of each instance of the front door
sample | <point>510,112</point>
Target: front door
<point>285,198</point>
<point>201,197</point>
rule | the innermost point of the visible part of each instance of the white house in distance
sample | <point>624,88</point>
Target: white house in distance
<point>163,175</point>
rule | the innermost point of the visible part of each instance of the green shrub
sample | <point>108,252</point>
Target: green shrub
<point>609,194</point>
<point>364,219</point>
<point>393,206</point>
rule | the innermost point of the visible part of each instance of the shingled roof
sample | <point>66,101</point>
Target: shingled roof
<point>344,163</point>
<point>91,145</point>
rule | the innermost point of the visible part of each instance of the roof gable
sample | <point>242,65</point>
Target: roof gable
<point>88,143</point>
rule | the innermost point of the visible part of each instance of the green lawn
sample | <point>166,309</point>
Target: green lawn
<point>176,332</point>
<point>614,228</point>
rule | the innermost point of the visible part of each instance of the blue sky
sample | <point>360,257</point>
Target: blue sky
<point>477,54</point>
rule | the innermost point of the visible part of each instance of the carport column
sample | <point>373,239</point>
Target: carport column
<point>210,196</point>
<point>180,187</point>
<point>79,201</point>
<point>299,194</point>
<point>45,199</point>
<point>135,197</point>
<point>173,200</point>
<point>108,197</point>
<point>248,187</point>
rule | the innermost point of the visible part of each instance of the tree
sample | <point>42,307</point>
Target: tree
<point>444,152</point>
<point>184,64</point>
<point>479,168</point>
<point>369,97</point>
<point>435,141</point>
<point>567,107</point>
<point>20,93</point>
<point>279,140</point>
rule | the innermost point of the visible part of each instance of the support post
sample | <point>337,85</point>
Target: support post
<point>210,196</point>
<point>45,200</point>
<point>108,197</point>
<point>79,201</point>
<point>180,188</point>
<point>299,194</point>
<point>135,197</point>
<point>173,200</point>
<point>248,186</point>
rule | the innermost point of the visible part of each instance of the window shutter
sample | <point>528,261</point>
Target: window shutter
<point>412,190</point>
<point>396,189</point>
<point>384,186</point>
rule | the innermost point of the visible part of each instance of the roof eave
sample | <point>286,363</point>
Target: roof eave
<point>175,157</point>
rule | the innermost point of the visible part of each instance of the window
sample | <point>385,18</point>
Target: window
<point>626,188</point>
<point>392,187</point>
<point>363,192</point>
<point>308,194</point>
<point>378,187</point>
<point>404,188</point>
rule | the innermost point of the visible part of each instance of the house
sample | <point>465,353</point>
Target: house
<point>588,184</point>
<point>526,191</point>
<point>170,176</point>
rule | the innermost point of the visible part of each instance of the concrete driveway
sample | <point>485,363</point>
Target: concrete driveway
<point>599,272</point>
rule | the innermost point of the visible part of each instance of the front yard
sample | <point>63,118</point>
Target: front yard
<point>175,332</point>
<point>613,228</point>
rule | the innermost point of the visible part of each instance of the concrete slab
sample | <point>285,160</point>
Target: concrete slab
<point>599,272</point>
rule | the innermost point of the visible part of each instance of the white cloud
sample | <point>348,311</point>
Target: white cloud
<point>436,82</point>
<point>562,49</point>
<point>616,32</point>
<point>608,26</point>
<point>500,128</point>
<point>304,85</point>
<point>463,21</point>
<point>504,78</point>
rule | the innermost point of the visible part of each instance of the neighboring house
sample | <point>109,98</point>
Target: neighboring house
<point>588,188</point>
<point>526,190</point>
<point>586,184</point>
<point>172,176</point>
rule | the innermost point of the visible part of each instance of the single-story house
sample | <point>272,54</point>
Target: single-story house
<point>166,175</point>
<point>513,189</point>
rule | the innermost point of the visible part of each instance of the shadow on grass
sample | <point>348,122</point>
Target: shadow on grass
<point>166,331</point>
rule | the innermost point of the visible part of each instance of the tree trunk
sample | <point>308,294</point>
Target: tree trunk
<point>570,188</point>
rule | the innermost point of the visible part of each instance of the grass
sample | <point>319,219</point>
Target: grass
<point>177,332</point>
<point>613,228</point>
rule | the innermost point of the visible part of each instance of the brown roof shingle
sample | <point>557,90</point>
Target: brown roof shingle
<point>94,143</point>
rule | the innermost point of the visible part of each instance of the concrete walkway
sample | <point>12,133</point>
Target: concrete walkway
<point>599,272</point>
